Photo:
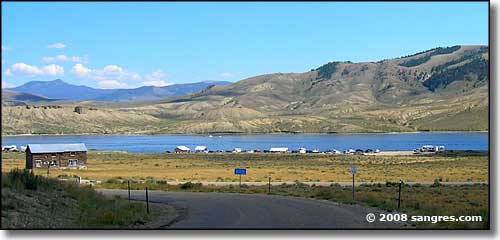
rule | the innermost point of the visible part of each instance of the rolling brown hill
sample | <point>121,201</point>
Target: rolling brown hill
<point>443,89</point>
<point>12,98</point>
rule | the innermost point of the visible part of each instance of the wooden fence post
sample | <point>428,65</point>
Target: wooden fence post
<point>128,186</point>
<point>269,186</point>
<point>399,197</point>
<point>147,200</point>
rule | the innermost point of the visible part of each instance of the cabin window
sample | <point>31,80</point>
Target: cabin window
<point>38,163</point>
<point>72,162</point>
<point>53,163</point>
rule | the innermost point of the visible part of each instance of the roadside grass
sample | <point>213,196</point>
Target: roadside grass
<point>417,200</point>
<point>214,167</point>
<point>31,201</point>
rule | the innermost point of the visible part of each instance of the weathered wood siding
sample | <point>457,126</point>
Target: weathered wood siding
<point>55,160</point>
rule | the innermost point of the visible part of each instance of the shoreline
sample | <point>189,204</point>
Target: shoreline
<point>385,153</point>
<point>241,134</point>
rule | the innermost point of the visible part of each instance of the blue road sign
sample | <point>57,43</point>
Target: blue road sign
<point>354,170</point>
<point>240,171</point>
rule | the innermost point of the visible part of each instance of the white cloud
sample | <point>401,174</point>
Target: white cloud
<point>112,84</point>
<point>7,85</point>
<point>48,59</point>
<point>135,76</point>
<point>109,75</point>
<point>113,69</point>
<point>114,72</point>
<point>156,79</point>
<point>56,45</point>
<point>156,83</point>
<point>4,48</point>
<point>155,76</point>
<point>23,69</point>
<point>53,70</point>
<point>64,58</point>
<point>80,70</point>
<point>226,74</point>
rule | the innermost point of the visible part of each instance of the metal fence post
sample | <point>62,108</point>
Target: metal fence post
<point>353,187</point>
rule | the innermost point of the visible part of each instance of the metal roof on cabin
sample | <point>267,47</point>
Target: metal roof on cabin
<point>51,148</point>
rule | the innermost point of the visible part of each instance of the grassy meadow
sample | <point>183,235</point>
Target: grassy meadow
<point>215,167</point>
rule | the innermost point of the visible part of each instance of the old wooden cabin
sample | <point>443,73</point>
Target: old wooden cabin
<point>80,110</point>
<point>56,156</point>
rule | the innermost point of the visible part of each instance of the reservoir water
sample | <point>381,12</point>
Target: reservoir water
<point>322,142</point>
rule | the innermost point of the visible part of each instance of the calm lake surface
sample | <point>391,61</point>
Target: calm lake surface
<point>322,142</point>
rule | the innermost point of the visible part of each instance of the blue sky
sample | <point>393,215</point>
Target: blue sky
<point>115,45</point>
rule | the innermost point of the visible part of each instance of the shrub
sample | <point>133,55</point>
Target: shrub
<point>436,183</point>
<point>25,179</point>
<point>162,182</point>
<point>190,185</point>
<point>391,184</point>
<point>113,180</point>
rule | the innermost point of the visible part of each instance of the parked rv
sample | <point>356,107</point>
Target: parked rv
<point>182,149</point>
<point>10,148</point>
<point>201,149</point>
<point>236,150</point>
<point>334,151</point>
<point>359,152</point>
<point>278,150</point>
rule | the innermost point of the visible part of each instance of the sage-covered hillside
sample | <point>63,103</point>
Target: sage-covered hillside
<point>442,89</point>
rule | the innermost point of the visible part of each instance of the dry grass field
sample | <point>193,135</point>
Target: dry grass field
<point>155,170</point>
<point>219,167</point>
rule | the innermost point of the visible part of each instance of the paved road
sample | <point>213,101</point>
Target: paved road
<point>250,211</point>
<point>344,184</point>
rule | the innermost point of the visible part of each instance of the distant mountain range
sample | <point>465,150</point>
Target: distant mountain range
<point>441,89</point>
<point>60,90</point>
